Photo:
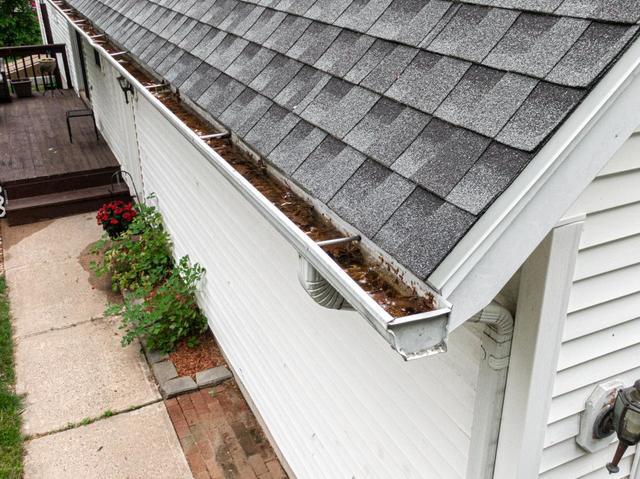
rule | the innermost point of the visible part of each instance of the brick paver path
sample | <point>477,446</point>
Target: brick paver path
<point>220,436</point>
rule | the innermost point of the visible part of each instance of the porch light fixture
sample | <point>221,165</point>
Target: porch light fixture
<point>126,88</point>
<point>623,418</point>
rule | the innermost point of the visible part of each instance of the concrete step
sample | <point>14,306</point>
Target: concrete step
<point>64,203</point>
<point>58,183</point>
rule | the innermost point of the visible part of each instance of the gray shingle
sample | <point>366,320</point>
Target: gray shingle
<point>488,178</point>
<point>535,43</point>
<point>296,147</point>
<point>387,130</point>
<point>199,81</point>
<point>362,14</point>
<point>339,107</point>
<point>327,10</point>
<point>313,42</point>
<point>245,111</point>
<point>165,21</point>
<point>200,8</point>
<point>218,11</point>
<point>158,47</point>
<point>287,33</point>
<point>276,75</point>
<point>410,21</point>
<point>143,43</point>
<point>220,94</point>
<point>370,196</point>
<point>183,6</point>
<point>379,50</point>
<point>271,129</point>
<point>241,19</point>
<point>208,44</point>
<point>173,26</point>
<point>440,156</point>
<point>344,53</point>
<point>163,65</point>
<point>387,71</point>
<point>422,231</point>
<point>610,10</point>
<point>144,14</point>
<point>250,63</point>
<point>195,36</point>
<point>547,6</point>
<point>228,50</point>
<point>545,108</point>
<point>302,89</point>
<point>328,168</point>
<point>428,80</point>
<point>152,20</point>
<point>473,32</point>
<point>485,99</point>
<point>295,6</point>
<point>184,31</point>
<point>599,44</point>
<point>265,25</point>
<point>182,69</point>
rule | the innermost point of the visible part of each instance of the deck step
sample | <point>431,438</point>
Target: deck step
<point>64,203</point>
<point>59,183</point>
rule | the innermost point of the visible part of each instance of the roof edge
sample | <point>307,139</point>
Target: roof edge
<point>499,243</point>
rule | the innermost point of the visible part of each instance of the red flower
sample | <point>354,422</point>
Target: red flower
<point>114,221</point>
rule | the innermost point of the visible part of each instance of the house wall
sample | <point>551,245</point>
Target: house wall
<point>114,117</point>
<point>601,339</point>
<point>338,402</point>
<point>62,33</point>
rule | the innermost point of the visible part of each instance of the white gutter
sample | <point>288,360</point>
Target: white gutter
<point>413,336</point>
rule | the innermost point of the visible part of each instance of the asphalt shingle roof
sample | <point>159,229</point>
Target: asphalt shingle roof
<point>408,118</point>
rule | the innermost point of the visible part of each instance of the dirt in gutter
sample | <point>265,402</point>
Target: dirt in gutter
<point>374,276</point>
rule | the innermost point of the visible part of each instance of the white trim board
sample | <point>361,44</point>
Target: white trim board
<point>499,243</point>
<point>545,284</point>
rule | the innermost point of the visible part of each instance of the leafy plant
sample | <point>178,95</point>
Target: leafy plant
<point>140,257</point>
<point>18,24</point>
<point>167,314</point>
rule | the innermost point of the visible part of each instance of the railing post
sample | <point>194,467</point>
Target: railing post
<point>67,73</point>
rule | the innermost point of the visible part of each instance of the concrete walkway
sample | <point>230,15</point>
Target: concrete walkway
<point>92,409</point>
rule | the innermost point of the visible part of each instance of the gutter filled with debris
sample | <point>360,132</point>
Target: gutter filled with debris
<point>410,322</point>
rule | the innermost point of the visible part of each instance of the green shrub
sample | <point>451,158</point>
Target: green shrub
<point>167,314</point>
<point>140,258</point>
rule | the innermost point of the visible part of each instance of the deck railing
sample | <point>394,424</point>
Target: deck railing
<point>21,63</point>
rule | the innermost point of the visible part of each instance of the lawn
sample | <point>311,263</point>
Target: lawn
<point>10,404</point>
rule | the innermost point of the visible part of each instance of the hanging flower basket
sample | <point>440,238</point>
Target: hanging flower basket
<point>115,217</point>
<point>22,88</point>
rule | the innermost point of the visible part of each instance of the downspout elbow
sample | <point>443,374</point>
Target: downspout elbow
<point>492,379</point>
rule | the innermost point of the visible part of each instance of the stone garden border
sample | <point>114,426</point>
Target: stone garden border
<point>173,385</point>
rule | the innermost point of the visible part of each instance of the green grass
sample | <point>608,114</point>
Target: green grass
<point>10,404</point>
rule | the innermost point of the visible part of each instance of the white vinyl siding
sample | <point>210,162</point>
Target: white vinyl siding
<point>601,338</point>
<point>115,118</point>
<point>338,402</point>
<point>62,33</point>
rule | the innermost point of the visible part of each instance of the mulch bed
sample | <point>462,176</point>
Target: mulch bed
<point>188,361</point>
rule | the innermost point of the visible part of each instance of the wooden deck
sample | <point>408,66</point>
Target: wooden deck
<point>34,142</point>
<point>43,174</point>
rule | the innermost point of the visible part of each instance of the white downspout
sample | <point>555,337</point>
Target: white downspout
<point>492,381</point>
